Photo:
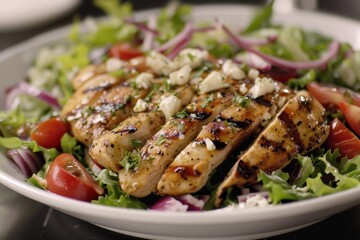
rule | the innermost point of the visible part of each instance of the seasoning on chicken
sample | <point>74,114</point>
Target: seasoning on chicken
<point>191,169</point>
<point>298,128</point>
<point>133,132</point>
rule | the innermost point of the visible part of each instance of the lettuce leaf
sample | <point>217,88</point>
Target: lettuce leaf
<point>114,195</point>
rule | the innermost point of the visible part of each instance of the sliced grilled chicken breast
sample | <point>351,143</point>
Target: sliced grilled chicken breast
<point>159,151</point>
<point>106,113</point>
<point>86,74</point>
<point>298,128</point>
<point>191,169</point>
<point>88,92</point>
<point>110,148</point>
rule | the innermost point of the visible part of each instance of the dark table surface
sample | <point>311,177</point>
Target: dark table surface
<point>22,218</point>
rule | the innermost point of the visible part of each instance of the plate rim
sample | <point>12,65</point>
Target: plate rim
<point>201,218</point>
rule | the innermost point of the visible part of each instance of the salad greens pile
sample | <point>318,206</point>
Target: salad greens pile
<point>320,173</point>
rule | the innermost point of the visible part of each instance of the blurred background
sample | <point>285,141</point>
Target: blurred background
<point>22,19</point>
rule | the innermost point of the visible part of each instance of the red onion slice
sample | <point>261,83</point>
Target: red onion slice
<point>184,34</point>
<point>27,161</point>
<point>253,61</point>
<point>169,204</point>
<point>149,37</point>
<point>25,88</point>
<point>142,26</point>
<point>193,203</point>
<point>178,48</point>
<point>330,54</point>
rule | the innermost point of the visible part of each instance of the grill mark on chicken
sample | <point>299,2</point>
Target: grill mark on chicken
<point>157,155</point>
<point>263,101</point>
<point>298,128</point>
<point>292,130</point>
<point>97,88</point>
<point>139,128</point>
<point>227,132</point>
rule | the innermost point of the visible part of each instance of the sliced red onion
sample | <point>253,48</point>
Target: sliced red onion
<point>169,204</point>
<point>96,55</point>
<point>194,203</point>
<point>142,26</point>
<point>95,168</point>
<point>24,88</point>
<point>149,37</point>
<point>178,48</point>
<point>253,61</point>
<point>184,34</point>
<point>27,161</point>
<point>330,54</point>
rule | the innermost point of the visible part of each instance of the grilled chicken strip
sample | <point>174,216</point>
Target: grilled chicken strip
<point>110,148</point>
<point>191,169</point>
<point>298,128</point>
<point>159,151</point>
<point>88,92</point>
<point>86,74</point>
<point>106,113</point>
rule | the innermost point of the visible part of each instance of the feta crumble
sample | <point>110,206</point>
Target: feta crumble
<point>191,56</point>
<point>169,106</point>
<point>253,73</point>
<point>143,80</point>
<point>210,146</point>
<point>261,87</point>
<point>140,106</point>
<point>231,69</point>
<point>213,81</point>
<point>181,76</point>
<point>159,63</point>
<point>114,64</point>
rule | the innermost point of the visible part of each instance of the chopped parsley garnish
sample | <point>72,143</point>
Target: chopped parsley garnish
<point>207,100</point>
<point>160,140</point>
<point>181,114</point>
<point>136,143</point>
<point>241,100</point>
<point>131,160</point>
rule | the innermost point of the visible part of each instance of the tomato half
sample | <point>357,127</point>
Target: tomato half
<point>124,51</point>
<point>48,134</point>
<point>352,115</point>
<point>332,96</point>
<point>68,177</point>
<point>340,137</point>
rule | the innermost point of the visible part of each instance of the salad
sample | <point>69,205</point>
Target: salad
<point>170,114</point>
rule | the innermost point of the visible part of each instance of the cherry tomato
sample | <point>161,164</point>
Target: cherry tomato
<point>332,96</point>
<point>67,177</point>
<point>344,139</point>
<point>352,115</point>
<point>125,51</point>
<point>48,134</point>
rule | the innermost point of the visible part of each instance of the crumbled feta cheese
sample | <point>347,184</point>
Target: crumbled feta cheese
<point>265,119</point>
<point>140,106</point>
<point>195,144</point>
<point>195,81</point>
<point>213,81</point>
<point>143,80</point>
<point>114,64</point>
<point>253,73</point>
<point>262,86</point>
<point>210,146</point>
<point>181,136</point>
<point>243,89</point>
<point>219,95</point>
<point>181,76</point>
<point>191,56</point>
<point>281,102</point>
<point>170,105</point>
<point>230,69</point>
<point>256,201</point>
<point>159,63</point>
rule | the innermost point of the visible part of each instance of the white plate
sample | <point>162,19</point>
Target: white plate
<point>21,14</point>
<point>245,224</point>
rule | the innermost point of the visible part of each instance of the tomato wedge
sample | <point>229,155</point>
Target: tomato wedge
<point>340,137</point>
<point>48,134</point>
<point>352,115</point>
<point>124,51</point>
<point>332,96</point>
<point>68,177</point>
